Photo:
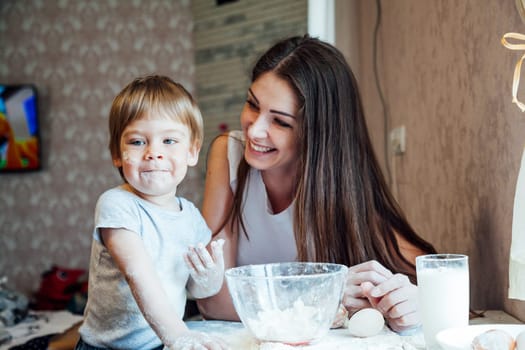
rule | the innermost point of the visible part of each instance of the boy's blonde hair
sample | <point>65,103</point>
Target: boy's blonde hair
<point>150,96</point>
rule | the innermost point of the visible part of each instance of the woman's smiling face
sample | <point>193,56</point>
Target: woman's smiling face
<point>269,122</point>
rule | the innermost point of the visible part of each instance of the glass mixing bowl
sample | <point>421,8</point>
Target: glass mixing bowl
<point>293,303</point>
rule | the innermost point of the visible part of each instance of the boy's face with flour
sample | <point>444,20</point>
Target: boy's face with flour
<point>156,132</point>
<point>155,154</point>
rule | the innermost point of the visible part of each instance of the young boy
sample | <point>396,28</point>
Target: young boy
<point>148,244</point>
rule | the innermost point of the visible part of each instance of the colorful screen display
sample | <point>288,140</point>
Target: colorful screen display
<point>19,129</point>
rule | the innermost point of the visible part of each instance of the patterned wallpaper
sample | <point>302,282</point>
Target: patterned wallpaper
<point>79,54</point>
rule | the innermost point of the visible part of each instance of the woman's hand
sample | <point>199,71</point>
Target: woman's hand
<point>396,299</point>
<point>370,284</point>
<point>206,271</point>
<point>198,341</point>
<point>354,298</point>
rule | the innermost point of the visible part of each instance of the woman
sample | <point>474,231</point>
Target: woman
<point>301,182</point>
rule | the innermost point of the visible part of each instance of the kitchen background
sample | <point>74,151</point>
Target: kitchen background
<point>441,68</point>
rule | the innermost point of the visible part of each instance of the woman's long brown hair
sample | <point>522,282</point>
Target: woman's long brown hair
<point>344,211</point>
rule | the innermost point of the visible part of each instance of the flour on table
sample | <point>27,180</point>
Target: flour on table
<point>336,339</point>
<point>239,338</point>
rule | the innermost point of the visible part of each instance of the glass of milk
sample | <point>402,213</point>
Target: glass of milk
<point>443,290</point>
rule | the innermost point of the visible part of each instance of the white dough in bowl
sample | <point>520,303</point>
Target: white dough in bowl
<point>365,323</point>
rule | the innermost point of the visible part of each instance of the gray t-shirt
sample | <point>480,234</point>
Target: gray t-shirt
<point>112,318</point>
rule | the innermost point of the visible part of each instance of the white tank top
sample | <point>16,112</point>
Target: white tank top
<point>270,236</point>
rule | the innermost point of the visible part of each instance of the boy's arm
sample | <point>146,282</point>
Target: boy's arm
<point>128,252</point>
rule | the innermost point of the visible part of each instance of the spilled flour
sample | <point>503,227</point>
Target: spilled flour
<point>239,338</point>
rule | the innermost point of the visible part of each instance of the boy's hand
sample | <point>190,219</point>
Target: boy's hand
<point>198,341</point>
<point>207,271</point>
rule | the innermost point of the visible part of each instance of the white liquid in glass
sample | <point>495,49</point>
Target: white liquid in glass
<point>443,299</point>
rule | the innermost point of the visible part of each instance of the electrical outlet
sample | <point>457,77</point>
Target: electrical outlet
<point>397,140</point>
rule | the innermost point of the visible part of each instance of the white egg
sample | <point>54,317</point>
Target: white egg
<point>365,323</point>
<point>520,341</point>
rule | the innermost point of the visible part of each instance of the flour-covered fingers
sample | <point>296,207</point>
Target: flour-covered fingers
<point>193,260</point>
<point>216,343</point>
<point>193,347</point>
<point>198,341</point>
<point>206,271</point>
<point>188,261</point>
<point>217,251</point>
<point>204,256</point>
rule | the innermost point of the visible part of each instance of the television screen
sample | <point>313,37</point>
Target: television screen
<point>19,128</point>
